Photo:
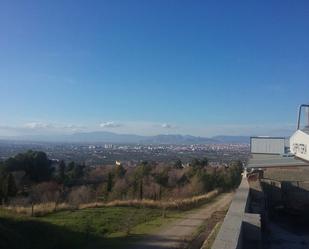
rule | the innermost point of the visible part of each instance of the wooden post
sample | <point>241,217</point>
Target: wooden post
<point>96,197</point>
<point>32,209</point>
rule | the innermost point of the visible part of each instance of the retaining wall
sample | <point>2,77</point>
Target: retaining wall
<point>240,229</point>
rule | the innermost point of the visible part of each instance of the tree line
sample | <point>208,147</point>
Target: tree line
<point>35,168</point>
<point>34,176</point>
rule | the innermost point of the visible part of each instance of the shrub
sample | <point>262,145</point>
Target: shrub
<point>79,195</point>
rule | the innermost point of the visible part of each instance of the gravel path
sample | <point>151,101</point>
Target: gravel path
<point>178,233</point>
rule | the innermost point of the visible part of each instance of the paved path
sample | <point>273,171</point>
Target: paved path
<point>178,233</point>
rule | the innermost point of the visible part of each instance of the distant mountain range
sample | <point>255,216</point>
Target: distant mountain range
<point>232,139</point>
<point>110,137</point>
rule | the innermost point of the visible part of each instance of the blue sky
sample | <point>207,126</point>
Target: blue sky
<point>149,67</point>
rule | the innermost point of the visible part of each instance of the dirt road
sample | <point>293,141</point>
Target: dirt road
<point>179,233</point>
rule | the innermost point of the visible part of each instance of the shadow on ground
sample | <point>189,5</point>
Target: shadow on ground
<point>17,234</point>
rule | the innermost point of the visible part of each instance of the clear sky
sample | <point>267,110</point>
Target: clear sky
<point>149,67</point>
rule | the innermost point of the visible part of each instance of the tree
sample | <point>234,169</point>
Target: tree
<point>196,165</point>
<point>75,171</point>
<point>141,192</point>
<point>161,178</point>
<point>81,194</point>
<point>119,171</point>
<point>35,164</point>
<point>204,162</point>
<point>61,171</point>
<point>199,164</point>
<point>109,182</point>
<point>208,181</point>
<point>144,168</point>
<point>78,171</point>
<point>45,192</point>
<point>11,186</point>
<point>140,173</point>
<point>236,168</point>
<point>183,180</point>
<point>70,166</point>
<point>178,164</point>
<point>39,167</point>
<point>120,188</point>
<point>7,186</point>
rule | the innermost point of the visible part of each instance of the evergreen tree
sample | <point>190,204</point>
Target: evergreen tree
<point>204,162</point>
<point>7,186</point>
<point>70,166</point>
<point>120,171</point>
<point>161,179</point>
<point>141,192</point>
<point>178,164</point>
<point>61,171</point>
<point>35,164</point>
<point>11,186</point>
<point>109,182</point>
<point>78,171</point>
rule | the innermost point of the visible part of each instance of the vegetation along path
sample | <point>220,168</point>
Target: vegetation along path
<point>179,233</point>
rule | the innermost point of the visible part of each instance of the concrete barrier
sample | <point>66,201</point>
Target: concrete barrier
<point>239,229</point>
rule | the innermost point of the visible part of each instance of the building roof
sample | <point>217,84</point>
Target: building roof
<point>306,130</point>
<point>270,161</point>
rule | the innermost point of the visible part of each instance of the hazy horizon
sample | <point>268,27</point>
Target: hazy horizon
<point>61,137</point>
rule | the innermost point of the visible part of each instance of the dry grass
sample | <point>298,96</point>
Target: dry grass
<point>39,209</point>
<point>178,204</point>
<point>212,236</point>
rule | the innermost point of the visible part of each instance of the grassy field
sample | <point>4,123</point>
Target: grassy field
<point>104,227</point>
<point>97,227</point>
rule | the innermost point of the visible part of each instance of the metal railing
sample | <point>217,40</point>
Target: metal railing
<point>299,114</point>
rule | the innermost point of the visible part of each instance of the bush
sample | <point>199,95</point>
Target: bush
<point>45,192</point>
<point>79,195</point>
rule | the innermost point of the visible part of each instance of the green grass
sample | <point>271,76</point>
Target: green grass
<point>102,227</point>
<point>107,227</point>
<point>102,221</point>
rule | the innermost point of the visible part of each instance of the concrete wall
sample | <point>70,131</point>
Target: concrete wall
<point>239,230</point>
<point>267,145</point>
<point>293,195</point>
